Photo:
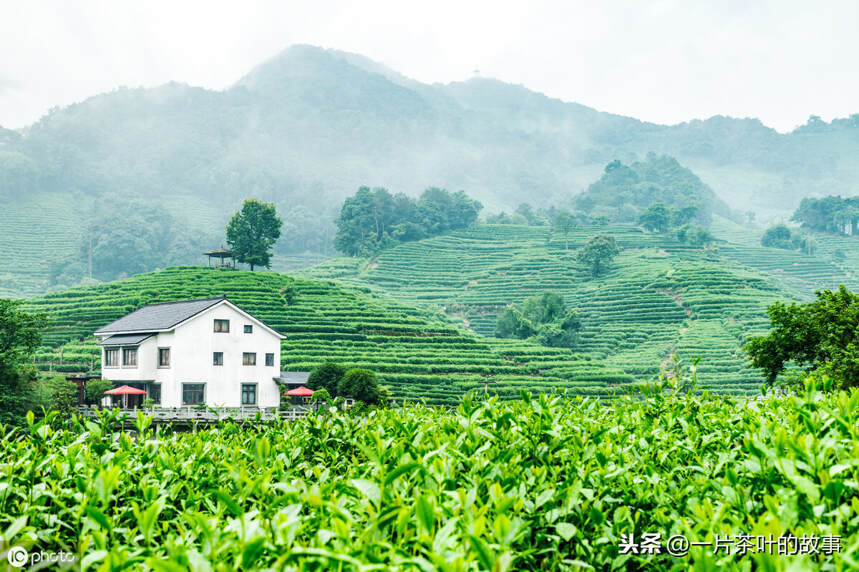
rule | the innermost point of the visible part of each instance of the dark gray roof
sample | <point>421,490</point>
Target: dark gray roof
<point>125,340</point>
<point>294,377</point>
<point>159,317</point>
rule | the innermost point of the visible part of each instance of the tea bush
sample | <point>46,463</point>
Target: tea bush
<point>545,483</point>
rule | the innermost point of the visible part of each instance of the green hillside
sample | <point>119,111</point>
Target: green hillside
<point>660,299</point>
<point>419,354</point>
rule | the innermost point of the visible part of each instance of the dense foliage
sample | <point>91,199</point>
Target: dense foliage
<point>359,384</point>
<point>252,232</point>
<point>126,236</point>
<point>829,214</point>
<point>337,380</point>
<point>625,192</point>
<point>781,236</point>
<point>20,335</point>
<point>546,483</point>
<point>372,220</point>
<point>822,335</point>
<point>598,252</point>
<point>543,318</point>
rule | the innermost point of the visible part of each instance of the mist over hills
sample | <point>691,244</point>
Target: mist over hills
<point>307,127</point>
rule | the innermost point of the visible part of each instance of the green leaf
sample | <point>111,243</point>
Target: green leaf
<point>99,517</point>
<point>402,469</point>
<point>369,488</point>
<point>565,530</point>
<point>251,553</point>
<point>426,515</point>
<point>228,502</point>
<point>14,528</point>
<point>484,555</point>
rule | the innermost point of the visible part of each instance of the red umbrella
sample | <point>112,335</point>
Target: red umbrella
<point>300,392</point>
<point>125,390</point>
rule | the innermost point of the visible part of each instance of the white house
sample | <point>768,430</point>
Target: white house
<point>193,351</point>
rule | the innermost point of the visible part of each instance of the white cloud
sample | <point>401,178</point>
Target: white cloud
<point>665,61</point>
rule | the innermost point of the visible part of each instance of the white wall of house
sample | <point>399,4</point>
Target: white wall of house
<point>192,345</point>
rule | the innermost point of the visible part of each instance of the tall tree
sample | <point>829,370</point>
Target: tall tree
<point>565,222</point>
<point>253,231</point>
<point>598,253</point>
<point>822,335</point>
<point>20,335</point>
<point>656,217</point>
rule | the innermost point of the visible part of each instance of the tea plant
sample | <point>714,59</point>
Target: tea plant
<point>543,483</point>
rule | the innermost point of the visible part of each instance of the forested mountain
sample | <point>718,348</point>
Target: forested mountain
<point>306,128</point>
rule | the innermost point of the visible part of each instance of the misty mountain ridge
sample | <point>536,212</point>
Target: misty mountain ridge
<point>305,128</point>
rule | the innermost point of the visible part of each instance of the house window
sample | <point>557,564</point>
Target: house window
<point>155,392</point>
<point>269,360</point>
<point>249,394</point>
<point>111,357</point>
<point>163,357</point>
<point>192,393</point>
<point>249,358</point>
<point>222,326</point>
<point>218,358</point>
<point>249,329</point>
<point>129,357</point>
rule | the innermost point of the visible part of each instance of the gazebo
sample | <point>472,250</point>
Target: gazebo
<point>221,254</point>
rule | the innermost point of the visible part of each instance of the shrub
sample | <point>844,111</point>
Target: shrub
<point>360,384</point>
<point>95,389</point>
<point>327,376</point>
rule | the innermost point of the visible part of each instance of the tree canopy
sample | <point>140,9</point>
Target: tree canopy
<point>829,214</point>
<point>544,318</point>
<point>20,335</point>
<point>625,193</point>
<point>822,336</point>
<point>253,231</point>
<point>598,253</point>
<point>372,220</point>
<point>781,236</point>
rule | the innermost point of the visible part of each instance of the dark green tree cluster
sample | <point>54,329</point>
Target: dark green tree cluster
<point>372,220</point>
<point>20,335</point>
<point>127,237</point>
<point>253,231</point>
<point>543,318</point>
<point>822,336</point>
<point>625,191</point>
<point>780,236</point>
<point>597,253</point>
<point>339,381</point>
<point>829,214</point>
<point>660,218</point>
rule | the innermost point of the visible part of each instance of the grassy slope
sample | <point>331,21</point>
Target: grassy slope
<point>660,299</point>
<point>418,353</point>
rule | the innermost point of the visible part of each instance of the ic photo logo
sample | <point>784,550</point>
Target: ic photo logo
<point>17,556</point>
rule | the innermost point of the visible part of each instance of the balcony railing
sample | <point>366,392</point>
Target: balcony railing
<point>208,414</point>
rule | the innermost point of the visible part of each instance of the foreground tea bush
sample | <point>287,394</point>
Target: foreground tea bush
<point>542,483</point>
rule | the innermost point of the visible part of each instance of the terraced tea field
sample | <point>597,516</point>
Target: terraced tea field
<point>34,231</point>
<point>660,299</point>
<point>419,354</point>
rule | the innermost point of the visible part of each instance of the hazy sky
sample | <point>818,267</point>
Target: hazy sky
<point>663,61</point>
